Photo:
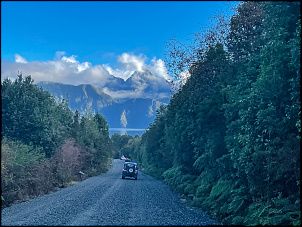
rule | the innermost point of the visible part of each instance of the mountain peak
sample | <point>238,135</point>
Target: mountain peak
<point>141,76</point>
<point>142,73</point>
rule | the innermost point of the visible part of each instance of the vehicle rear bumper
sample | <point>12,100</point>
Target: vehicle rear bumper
<point>130,175</point>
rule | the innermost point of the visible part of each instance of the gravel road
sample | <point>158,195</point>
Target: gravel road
<point>107,200</point>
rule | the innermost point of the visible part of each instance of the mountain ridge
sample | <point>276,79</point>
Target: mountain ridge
<point>136,113</point>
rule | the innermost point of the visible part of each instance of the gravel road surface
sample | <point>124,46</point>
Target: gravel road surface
<point>107,200</point>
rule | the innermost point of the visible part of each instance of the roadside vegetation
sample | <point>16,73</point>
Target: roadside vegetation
<point>229,140</point>
<point>120,145</point>
<point>44,145</point>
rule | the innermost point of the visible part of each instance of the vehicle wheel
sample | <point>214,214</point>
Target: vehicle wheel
<point>135,178</point>
<point>123,177</point>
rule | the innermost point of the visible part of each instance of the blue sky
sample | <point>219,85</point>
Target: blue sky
<point>100,36</point>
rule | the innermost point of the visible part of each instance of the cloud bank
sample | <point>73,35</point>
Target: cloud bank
<point>62,69</point>
<point>69,70</point>
<point>128,64</point>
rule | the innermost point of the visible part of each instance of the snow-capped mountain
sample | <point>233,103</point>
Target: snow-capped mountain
<point>125,104</point>
<point>138,85</point>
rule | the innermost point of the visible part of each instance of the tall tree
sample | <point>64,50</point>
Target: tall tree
<point>231,132</point>
<point>32,115</point>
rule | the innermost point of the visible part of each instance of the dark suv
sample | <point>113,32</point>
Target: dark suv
<point>130,170</point>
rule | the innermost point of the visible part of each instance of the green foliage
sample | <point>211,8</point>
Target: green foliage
<point>68,160</point>
<point>176,178</point>
<point>238,200</point>
<point>173,175</point>
<point>119,143</point>
<point>190,189</point>
<point>44,144</point>
<point>17,161</point>
<point>230,137</point>
<point>279,212</point>
<point>32,115</point>
<point>93,136</point>
<point>219,190</point>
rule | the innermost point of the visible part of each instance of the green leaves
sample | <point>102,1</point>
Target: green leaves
<point>36,134</point>
<point>234,125</point>
<point>32,115</point>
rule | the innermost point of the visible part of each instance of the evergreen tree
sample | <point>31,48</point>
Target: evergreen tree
<point>230,137</point>
<point>32,115</point>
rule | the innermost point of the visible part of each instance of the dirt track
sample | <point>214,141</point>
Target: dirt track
<point>107,200</point>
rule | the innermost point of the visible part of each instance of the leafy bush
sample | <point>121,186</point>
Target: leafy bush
<point>238,220</point>
<point>154,171</point>
<point>68,161</point>
<point>280,211</point>
<point>203,190</point>
<point>205,183</point>
<point>190,188</point>
<point>24,172</point>
<point>173,176</point>
<point>220,190</point>
<point>237,204</point>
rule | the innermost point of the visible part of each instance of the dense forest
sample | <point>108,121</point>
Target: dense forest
<point>44,145</point>
<point>229,140</point>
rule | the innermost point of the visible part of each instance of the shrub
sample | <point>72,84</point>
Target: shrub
<point>219,190</point>
<point>238,220</point>
<point>203,190</point>
<point>153,171</point>
<point>173,176</point>
<point>68,161</point>
<point>20,164</point>
<point>190,189</point>
<point>278,211</point>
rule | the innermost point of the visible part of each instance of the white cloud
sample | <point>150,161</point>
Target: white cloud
<point>124,74</point>
<point>182,79</point>
<point>121,94</point>
<point>128,64</point>
<point>76,64</point>
<point>132,62</point>
<point>184,76</point>
<point>65,70</point>
<point>69,70</point>
<point>70,59</point>
<point>159,68</point>
<point>20,59</point>
<point>59,55</point>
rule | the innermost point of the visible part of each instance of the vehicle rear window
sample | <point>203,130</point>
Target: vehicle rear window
<point>130,165</point>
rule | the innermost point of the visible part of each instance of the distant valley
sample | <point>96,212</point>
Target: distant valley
<point>135,113</point>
